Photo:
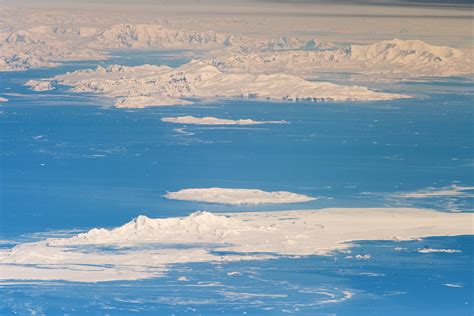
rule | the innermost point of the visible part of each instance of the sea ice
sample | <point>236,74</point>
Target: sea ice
<point>431,250</point>
<point>453,190</point>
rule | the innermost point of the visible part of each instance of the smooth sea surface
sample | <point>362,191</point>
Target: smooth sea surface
<point>70,162</point>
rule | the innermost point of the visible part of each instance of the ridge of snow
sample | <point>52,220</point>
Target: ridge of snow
<point>48,45</point>
<point>21,50</point>
<point>143,228</point>
<point>153,36</point>
<point>395,58</point>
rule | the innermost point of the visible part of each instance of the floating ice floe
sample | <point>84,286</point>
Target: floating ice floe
<point>237,196</point>
<point>215,121</point>
<point>453,190</point>
<point>431,250</point>
<point>145,247</point>
<point>360,257</point>
<point>183,279</point>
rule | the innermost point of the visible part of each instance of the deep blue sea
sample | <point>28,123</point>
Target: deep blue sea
<point>71,162</point>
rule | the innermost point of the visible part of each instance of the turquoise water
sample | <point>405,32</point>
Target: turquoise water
<point>71,163</point>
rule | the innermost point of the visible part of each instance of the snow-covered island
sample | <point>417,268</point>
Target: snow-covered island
<point>242,236</point>
<point>51,44</point>
<point>230,64</point>
<point>38,85</point>
<point>50,41</point>
<point>150,85</point>
<point>237,196</point>
<point>48,45</point>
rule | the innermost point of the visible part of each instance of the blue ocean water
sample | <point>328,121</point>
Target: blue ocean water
<point>70,162</point>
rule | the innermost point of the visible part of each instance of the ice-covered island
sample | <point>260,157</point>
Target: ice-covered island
<point>47,45</point>
<point>365,199</point>
<point>256,72</point>
<point>237,196</point>
<point>242,236</point>
<point>149,85</point>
